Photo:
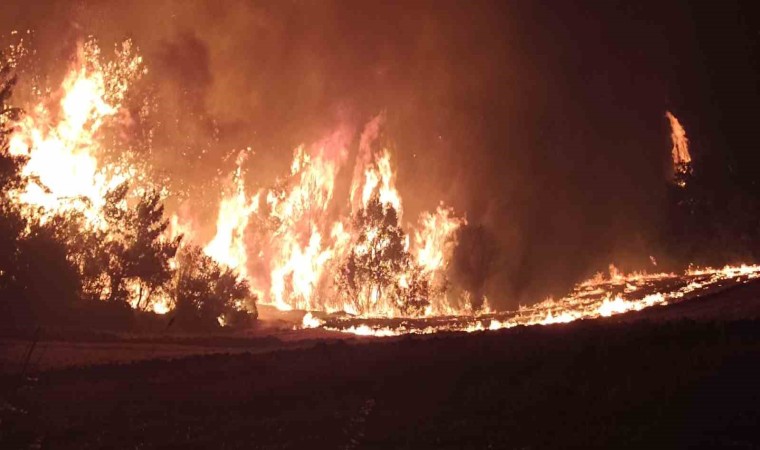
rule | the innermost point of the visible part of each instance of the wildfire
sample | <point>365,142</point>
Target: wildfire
<point>301,244</point>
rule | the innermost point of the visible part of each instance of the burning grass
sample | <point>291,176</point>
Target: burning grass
<point>601,296</point>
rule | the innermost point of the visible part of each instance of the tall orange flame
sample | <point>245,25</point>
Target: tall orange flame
<point>60,136</point>
<point>680,151</point>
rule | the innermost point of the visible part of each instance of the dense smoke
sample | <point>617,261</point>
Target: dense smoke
<point>542,125</point>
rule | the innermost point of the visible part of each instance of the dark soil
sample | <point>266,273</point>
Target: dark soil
<point>593,384</point>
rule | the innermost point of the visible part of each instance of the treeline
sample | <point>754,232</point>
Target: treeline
<point>67,270</point>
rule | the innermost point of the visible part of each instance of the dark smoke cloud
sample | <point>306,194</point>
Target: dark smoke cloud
<point>544,124</point>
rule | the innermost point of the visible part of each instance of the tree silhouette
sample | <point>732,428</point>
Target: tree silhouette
<point>132,249</point>
<point>205,291</point>
<point>10,166</point>
<point>148,255</point>
<point>37,279</point>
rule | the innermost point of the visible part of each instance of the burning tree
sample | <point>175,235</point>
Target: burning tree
<point>59,245</point>
<point>379,266</point>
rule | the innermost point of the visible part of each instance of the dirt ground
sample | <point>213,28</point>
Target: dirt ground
<point>682,376</point>
<point>57,349</point>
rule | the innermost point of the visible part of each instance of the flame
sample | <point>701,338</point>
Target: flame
<point>60,136</point>
<point>310,321</point>
<point>680,151</point>
<point>599,296</point>
<point>434,243</point>
<point>227,246</point>
<point>160,303</point>
<point>300,242</point>
<point>304,240</point>
<point>379,180</point>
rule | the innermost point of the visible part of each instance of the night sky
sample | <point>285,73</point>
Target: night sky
<point>541,121</point>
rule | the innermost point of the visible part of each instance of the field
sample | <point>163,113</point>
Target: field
<point>678,376</point>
